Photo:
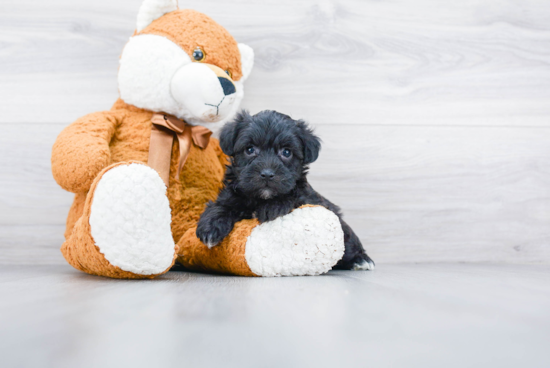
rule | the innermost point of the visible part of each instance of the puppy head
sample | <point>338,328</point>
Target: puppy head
<point>269,152</point>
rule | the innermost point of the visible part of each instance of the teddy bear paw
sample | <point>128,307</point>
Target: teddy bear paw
<point>130,220</point>
<point>307,241</point>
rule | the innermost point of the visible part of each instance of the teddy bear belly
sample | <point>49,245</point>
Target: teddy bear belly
<point>200,182</point>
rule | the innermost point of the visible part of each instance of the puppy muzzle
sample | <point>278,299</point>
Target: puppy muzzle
<point>266,177</point>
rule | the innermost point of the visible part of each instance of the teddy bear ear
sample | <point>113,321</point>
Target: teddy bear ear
<point>154,9</point>
<point>247,60</point>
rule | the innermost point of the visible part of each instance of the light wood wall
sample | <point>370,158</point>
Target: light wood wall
<point>435,115</point>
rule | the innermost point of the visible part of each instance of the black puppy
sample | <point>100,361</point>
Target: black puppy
<point>270,154</point>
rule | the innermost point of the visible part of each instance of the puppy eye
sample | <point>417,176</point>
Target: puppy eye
<point>250,151</point>
<point>198,54</point>
<point>229,73</point>
<point>286,153</point>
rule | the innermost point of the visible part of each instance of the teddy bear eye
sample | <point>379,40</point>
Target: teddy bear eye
<point>286,153</point>
<point>198,54</point>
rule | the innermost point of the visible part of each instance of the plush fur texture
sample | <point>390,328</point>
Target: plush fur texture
<point>307,241</point>
<point>270,154</point>
<point>87,147</point>
<point>154,9</point>
<point>114,231</point>
<point>190,29</point>
<point>159,70</point>
<point>130,220</point>
<point>80,248</point>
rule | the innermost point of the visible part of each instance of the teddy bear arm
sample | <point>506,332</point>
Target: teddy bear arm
<point>228,257</point>
<point>307,241</point>
<point>81,151</point>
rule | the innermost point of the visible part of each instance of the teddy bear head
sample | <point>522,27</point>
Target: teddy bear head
<point>183,63</point>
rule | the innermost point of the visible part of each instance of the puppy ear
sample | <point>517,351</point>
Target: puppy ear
<point>312,143</point>
<point>230,132</point>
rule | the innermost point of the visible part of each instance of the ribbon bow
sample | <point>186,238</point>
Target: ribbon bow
<point>165,129</point>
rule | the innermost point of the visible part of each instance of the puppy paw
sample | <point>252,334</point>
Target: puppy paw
<point>211,233</point>
<point>362,262</point>
<point>359,262</point>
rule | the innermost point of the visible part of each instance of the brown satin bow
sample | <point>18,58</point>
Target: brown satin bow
<point>162,137</point>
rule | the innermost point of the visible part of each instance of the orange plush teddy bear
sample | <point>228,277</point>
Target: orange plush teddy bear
<point>143,172</point>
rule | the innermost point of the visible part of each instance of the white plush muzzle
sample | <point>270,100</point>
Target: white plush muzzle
<point>156,74</point>
<point>197,88</point>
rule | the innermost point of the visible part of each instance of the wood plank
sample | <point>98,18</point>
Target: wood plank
<point>31,244</point>
<point>451,315</point>
<point>353,62</point>
<point>428,112</point>
<point>29,195</point>
<point>441,193</point>
<point>411,193</point>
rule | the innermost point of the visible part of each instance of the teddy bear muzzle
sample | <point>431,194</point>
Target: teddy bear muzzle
<point>204,90</point>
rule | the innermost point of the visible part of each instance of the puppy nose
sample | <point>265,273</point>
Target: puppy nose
<point>227,85</point>
<point>267,174</point>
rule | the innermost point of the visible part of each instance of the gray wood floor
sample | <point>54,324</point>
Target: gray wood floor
<point>435,116</point>
<point>415,315</point>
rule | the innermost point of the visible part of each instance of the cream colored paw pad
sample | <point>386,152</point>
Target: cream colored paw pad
<point>130,220</point>
<point>308,241</point>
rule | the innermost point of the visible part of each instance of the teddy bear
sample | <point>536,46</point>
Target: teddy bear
<point>143,172</point>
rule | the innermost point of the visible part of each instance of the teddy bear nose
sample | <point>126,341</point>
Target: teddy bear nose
<point>227,85</point>
<point>267,174</point>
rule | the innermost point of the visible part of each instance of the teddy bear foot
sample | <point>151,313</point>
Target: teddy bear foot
<point>307,241</point>
<point>125,229</point>
<point>130,220</point>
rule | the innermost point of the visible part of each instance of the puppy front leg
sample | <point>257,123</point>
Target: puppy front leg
<point>218,219</point>
<point>214,225</point>
<point>271,210</point>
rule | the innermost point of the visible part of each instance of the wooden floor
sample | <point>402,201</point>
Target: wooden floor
<point>413,315</point>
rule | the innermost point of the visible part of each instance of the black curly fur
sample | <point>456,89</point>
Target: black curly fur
<point>262,182</point>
